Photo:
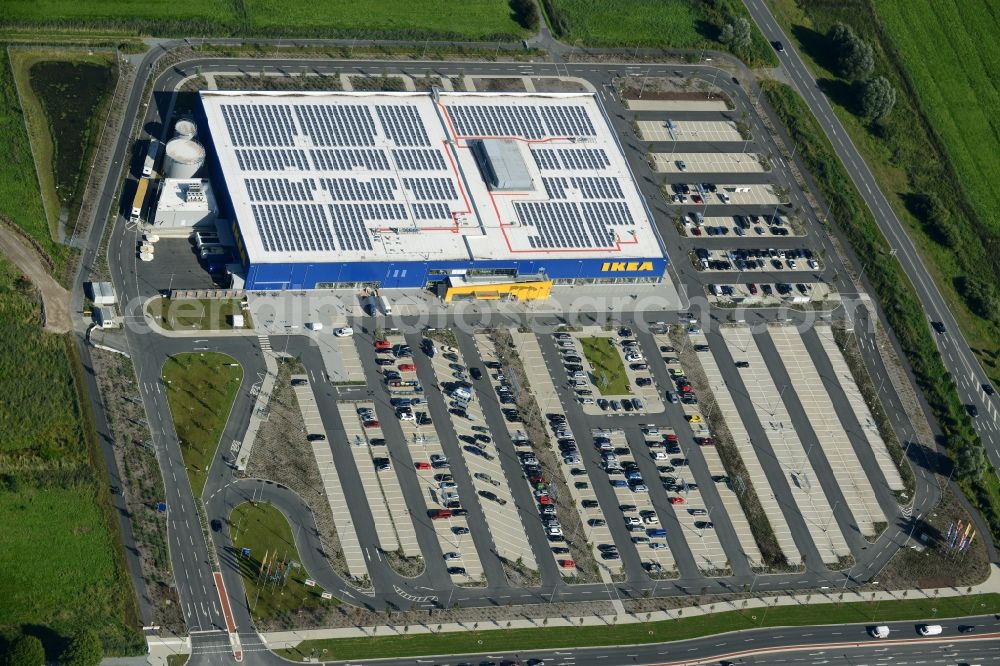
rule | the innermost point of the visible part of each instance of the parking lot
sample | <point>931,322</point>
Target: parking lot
<point>709,163</point>
<point>768,260</point>
<point>750,226</point>
<point>771,294</point>
<point>768,401</point>
<point>757,478</point>
<point>490,486</point>
<point>830,434</point>
<point>857,402</point>
<point>688,130</point>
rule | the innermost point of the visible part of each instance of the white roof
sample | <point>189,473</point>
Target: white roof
<point>318,176</point>
<point>177,194</point>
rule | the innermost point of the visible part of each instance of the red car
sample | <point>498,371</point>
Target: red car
<point>372,424</point>
<point>676,500</point>
<point>705,441</point>
<point>752,287</point>
<point>407,367</point>
<point>439,514</point>
<point>696,198</point>
<point>544,499</point>
<point>671,437</point>
<point>567,564</point>
<point>382,344</point>
<point>422,465</point>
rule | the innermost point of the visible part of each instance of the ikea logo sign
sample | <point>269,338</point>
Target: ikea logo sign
<point>626,266</point>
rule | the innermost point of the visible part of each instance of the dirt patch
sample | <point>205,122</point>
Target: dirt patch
<point>546,84</point>
<point>515,84</point>
<point>55,299</point>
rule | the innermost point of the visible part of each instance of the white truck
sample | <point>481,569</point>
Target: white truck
<point>152,155</point>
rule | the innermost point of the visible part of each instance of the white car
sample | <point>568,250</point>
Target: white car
<point>633,520</point>
<point>881,631</point>
<point>554,531</point>
<point>448,557</point>
<point>930,629</point>
<point>345,332</point>
<point>659,455</point>
<point>651,520</point>
<point>813,264</point>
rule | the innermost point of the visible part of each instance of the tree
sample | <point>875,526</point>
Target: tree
<point>854,58</point>
<point>981,296</point>
<point>84,649</point>
<point>877,97</point>
<point>525,13</point>
<point>26,651</point>
<point>737,35</point>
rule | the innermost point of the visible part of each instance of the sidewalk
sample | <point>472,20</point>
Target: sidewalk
<point>259,413</point>
<point>287,639</point>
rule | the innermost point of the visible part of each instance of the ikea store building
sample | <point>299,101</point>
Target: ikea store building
<point>389,190</point>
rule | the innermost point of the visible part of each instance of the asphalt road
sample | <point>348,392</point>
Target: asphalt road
<point>191,560</point>
<point>955,350</point>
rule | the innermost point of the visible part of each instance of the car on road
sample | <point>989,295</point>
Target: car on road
<point>778,46</point>
<point>938,326</point>
<point>973,410</point>
<point>344,332</point>
<point>880,631</point>
<point>216,525</point>
<point>930,629</point>
<point>966,628</point>
<point>988,388</point>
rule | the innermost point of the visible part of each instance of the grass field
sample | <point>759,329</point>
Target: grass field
<point>57,88</point>
<point>196,314</point>
<point>63,568</point>
<point>477,20</point>
<point>275,587</point>
<point>608,370</point>
<point>20,202</point>
<point>677,24</point>
<point>200,390</point>
<point>514,640</point>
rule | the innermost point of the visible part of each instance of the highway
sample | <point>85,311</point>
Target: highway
<point>955,351</point>
<point>189,551</point>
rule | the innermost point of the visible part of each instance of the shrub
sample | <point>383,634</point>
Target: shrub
<point>26,651</point>
<point>83,650</point>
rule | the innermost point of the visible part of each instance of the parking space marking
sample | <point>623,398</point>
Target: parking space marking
<point>502,517</point>
<point>788,449</point>
<point>741,438</point>
<point>544,391</point>
<point>699,163</point>
<point>357,441</point>
<point>342,521</point>
<point>689,130</point>
<point>860,407</point>
<point>830,433</point>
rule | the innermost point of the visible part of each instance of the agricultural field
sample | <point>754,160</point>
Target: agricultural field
<point>65,95</point>
<point>670,24</point>
<point>479,19</point>
<point>20,202</point>
<point>273,576</point>
<point>59,537</point>
<point>201,389</point>
<point>940,142</point>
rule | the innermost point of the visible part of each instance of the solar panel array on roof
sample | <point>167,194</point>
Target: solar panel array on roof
<point>346,159</point>
<point>559,225</point>
<point>608,212</point>
<point>568,121</point>
<point>590,159</point>
<point>285,227</point>
<point>337,124</point>
<point>555,187</point>
<point>349,226</point>
<point>352,189</point>
<point>431,211</point>
<point>418,159</point>
<point>258,124</point>
<point>279,189</point>
<point>429,189</point>
<point>597,187</point>
<point>496,120</point>
<point>403,125</point>
<point>545,158</point>
<point>271,159</point>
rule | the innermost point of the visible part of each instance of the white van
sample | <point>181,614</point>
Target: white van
<point>386,305</point>
<point>880,631</point>
<point>930,629</point>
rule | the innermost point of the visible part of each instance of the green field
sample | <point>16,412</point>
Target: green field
<point>196,314</point>
<point>671,24</point>
<point>514,640</point>
<point>62,567</point>
<point>201,389</point>
<point>608,369</point>
<point>20,201</point>
<point>275,587</point>
<point>476,20</point>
